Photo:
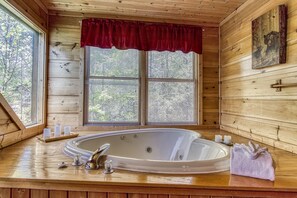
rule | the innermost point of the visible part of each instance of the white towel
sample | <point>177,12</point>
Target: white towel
<point>252,161</point>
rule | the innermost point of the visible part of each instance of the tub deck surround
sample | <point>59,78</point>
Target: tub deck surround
<point>33,164</point>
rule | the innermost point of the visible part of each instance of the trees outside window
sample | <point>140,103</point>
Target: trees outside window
<point>19,54</point>
<point>120,83</point>
<point>112,85</point>
<point>171,87</point>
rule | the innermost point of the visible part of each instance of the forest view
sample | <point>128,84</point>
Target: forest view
<point>171,87</point>
<point>114,86</point>
<point>16,65</point>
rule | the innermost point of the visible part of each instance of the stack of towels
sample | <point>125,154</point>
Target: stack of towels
<point>252,160</point>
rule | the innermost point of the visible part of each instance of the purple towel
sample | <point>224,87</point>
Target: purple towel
<point>252,161</point>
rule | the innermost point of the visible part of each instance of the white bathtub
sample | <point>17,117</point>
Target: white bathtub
<point>161,150</point>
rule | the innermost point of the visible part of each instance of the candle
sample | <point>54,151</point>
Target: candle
<point>227,139</point>
<point>67,130</point>
<point>57,131</point>
<point>218,138</point>
<point>46,133</point>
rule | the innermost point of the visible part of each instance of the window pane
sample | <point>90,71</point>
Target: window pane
<point>170,65</point>
<point>171,102</point>
<point>113,100</point>
<point>17,62</point>
<point>113,62</point>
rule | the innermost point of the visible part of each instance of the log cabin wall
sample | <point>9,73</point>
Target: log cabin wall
<point>65,79</point>
<point>249,107</point>
<point>34,10</point>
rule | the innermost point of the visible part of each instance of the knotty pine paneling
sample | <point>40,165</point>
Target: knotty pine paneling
<point>64,72</point>
<point>34,10</point>
<point>249,107</point>
<point>97,195</point>
<point>210,58</point>
<point>189,193</point>
<point>5,192</point>
<point>39,193</point>
<point>20,193</point>
<point>206,12</point>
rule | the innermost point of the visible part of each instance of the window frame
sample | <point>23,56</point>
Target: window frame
<point>38,67</point>
<point>143,94</point>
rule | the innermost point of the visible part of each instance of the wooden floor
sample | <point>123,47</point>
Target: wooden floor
<point>32,165</point>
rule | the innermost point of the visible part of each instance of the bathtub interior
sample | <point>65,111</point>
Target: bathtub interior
<point>148,145</point>
<point>201,149</point>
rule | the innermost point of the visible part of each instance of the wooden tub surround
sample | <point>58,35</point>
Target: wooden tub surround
<point>29,169</point>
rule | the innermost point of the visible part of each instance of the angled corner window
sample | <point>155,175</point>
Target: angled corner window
<point>140,88</point>
<point>21,67</point>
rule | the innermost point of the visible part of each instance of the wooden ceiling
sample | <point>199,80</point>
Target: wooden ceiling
<point>202,12</point>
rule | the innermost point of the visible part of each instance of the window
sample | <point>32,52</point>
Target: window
<point>112,86</point>
<point>136,87</point>
<point>20,67</point>
<point>171,87</point>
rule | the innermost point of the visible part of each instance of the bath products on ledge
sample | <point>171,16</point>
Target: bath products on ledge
<point>252,160</point>
<point>48,136</point>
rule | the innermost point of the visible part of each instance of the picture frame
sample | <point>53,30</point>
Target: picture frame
<point>269,32</point>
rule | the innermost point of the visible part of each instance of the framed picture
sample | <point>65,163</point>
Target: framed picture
<point>269,33</point>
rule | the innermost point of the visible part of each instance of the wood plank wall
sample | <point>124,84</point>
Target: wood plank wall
<point>64,90</point>
<point>249,107</point>
<point>34,10</point>
<point>140,193</point>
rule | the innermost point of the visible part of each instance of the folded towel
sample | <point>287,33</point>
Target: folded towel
<point>252,161</point>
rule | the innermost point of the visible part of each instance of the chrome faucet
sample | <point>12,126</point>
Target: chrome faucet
<point>97,157</point>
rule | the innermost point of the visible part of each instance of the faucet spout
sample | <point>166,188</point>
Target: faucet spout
<point>98,155</point>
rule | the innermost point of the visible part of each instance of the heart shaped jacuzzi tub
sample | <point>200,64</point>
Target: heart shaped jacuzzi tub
<point>159,150</point>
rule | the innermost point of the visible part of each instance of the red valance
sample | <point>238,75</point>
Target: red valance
<point>106,33</point>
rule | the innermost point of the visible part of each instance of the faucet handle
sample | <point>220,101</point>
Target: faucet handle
<point>77,160</point>
<point>108,169</point>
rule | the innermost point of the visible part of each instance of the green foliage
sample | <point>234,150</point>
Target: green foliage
<point>114,86</point>
<point>16,59</point>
